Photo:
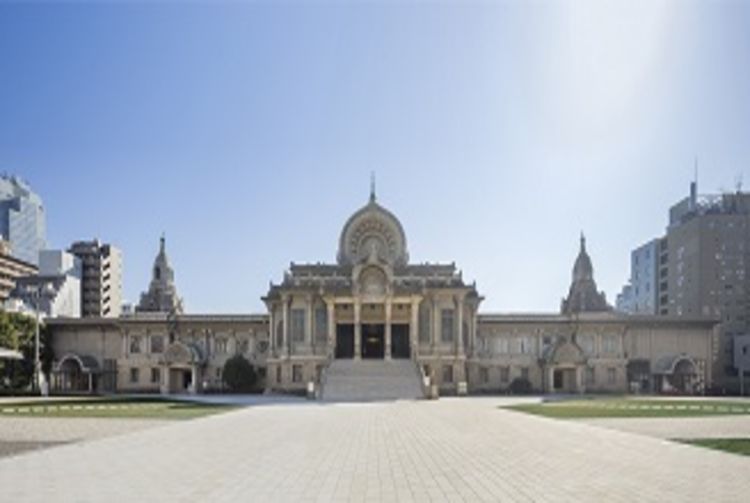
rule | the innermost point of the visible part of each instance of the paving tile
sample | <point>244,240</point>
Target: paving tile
<point>449,450</point>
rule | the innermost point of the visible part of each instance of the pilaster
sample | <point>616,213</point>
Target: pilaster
<point>357,330</point>
<point>331,326</point>
<point>414,329</point>
<point>285,326</point>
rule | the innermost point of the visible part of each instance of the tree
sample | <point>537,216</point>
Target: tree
<point>18,332</point>
<point>239,374</point>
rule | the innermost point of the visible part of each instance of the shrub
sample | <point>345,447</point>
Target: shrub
<point>520,386</point>
<point>239,374</point>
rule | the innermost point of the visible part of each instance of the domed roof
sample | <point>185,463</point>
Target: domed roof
<point>372,230</point>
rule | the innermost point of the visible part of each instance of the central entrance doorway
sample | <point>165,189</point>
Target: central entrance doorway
<point>373,341</point>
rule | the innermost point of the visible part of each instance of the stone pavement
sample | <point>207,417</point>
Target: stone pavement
<point>679,427</point>
<point>448,450</point>
<point>18,434</point>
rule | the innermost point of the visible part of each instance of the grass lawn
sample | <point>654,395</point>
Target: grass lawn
<point>140,407</point>
<point>733,445</point>
<point>574,409</point>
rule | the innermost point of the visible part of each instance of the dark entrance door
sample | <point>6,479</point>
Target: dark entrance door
<point>558,380</point>
<point>400,341</point>
<point>344,341</point>
<point>373,341</point>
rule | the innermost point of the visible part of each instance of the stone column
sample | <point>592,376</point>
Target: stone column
<point>414,328</point>
<point>271,332</point>
<point>193,380</point>
<point>579,379</point>
<point>357,331</point>
<point>285,326</point>
<point>550,380</point>
<point>165,379</point>
<point>388,328</point>
<point>331,327</point>
<point>309,336</point>
<point>460,331</point>
<point>435,320</point>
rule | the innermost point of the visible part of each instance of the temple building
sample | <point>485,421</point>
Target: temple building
<point>372,324</point>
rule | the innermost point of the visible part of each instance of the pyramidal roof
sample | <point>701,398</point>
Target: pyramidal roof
<point>583,295</point>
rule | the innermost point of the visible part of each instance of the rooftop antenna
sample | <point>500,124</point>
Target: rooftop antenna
<point>372,186</point>
<point>738,183</point>
<point>694,186</point>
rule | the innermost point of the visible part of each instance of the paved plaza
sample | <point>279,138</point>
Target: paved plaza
<point>447,450</point>
<point>19,434</point>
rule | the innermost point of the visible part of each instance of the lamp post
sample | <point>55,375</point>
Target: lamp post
<point>39,380</point>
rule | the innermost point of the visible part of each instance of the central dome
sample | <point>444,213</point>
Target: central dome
<point>372,231</point>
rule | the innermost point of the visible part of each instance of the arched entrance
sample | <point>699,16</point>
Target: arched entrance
<point>678,374</point>
<point>76,374</point>
<point>564,365</point>
<point>182,364</point>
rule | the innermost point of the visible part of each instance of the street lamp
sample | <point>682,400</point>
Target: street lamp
<point>39,381</point>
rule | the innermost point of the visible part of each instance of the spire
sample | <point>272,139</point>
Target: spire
<point>583,243</point>
<point>372,186</point>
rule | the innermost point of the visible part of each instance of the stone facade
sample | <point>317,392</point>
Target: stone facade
<point>596,352</point>
<point>371,304</point>
<point>374,304</point>
<point>153,353</point>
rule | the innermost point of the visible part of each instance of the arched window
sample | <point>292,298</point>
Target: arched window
<point>157,273</point>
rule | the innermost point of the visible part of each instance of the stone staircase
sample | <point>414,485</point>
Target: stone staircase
<point>371,380</point>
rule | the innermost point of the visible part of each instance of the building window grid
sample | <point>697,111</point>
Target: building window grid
<point>298,325</point>
<point>447,325</point>
<point>321,323</point>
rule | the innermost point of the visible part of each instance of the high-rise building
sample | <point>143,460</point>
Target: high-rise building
<point>703,267</point>
<point>700,269</point>
<point>55,291</point>
<point>161,296</point>
<point>11,269</point>
<point>101,287</point>
<point>22,219</point>
<point>641,294</point>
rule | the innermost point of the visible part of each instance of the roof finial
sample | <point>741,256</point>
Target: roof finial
<point>372,186</point>
<point>161,242</point>
<point>583,242</point>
